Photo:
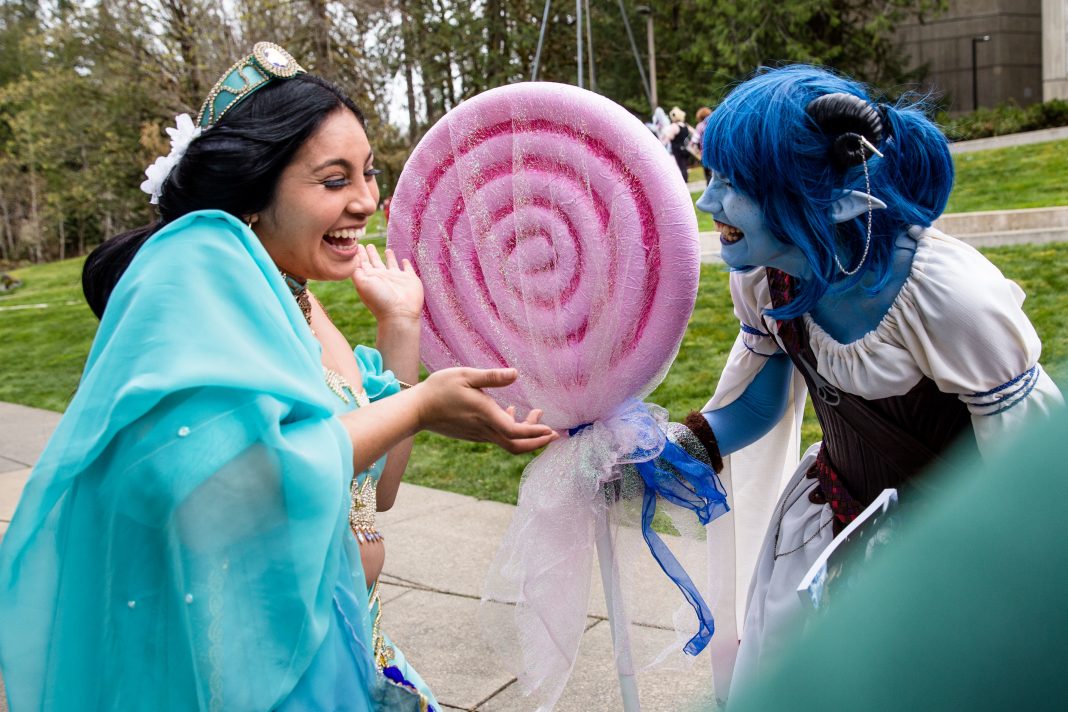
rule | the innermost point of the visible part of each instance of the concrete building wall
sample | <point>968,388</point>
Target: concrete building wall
<point>1054,49</point>
<point>1008,67</point>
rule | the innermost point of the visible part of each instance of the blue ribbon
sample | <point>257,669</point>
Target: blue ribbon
<point>695,486</point>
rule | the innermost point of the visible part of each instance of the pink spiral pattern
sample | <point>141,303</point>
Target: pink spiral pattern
<point>552,233</point>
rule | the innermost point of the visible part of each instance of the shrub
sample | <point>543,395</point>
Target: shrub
<point>1005,119</point>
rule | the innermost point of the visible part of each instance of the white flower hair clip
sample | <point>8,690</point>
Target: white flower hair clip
<point>181,136</point>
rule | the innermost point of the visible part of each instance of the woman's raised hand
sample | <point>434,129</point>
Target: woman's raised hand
<point>388,289</point>
<point>453,404</point>
<point>451,401</point>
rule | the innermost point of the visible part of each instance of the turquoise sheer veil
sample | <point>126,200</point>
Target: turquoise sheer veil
<point>180,540</point>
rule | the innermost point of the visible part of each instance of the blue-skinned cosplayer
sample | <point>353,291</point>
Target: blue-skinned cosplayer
<point>908,341</point>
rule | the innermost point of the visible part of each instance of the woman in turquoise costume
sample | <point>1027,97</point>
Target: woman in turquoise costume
<point>194,536</point>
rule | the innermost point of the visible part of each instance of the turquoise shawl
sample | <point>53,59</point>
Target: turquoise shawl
<point>180,544</point>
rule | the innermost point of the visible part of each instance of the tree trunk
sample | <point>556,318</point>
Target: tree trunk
<point>428,87</point>
<point>409,73</point>
<point>496,43</point>
<point>181,28</point>
<point>7,241</point>
<point>321,38</point>
<point>449,94</point>
<point>35,216</point>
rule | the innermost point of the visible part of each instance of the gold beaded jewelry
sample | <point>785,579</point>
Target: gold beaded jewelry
<point>364,496</point>
<point>362,511</point>
<point>383,652</point>
<point>267,63</point>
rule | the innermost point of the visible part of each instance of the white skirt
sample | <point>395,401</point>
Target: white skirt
<point>798,533</point>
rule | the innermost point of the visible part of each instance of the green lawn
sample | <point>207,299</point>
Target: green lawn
<point>376,226</point>
<point>42,350</point>
<point>705,223</point>
<point>1034,176</point>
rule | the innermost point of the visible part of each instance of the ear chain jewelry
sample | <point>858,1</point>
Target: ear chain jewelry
<point>867,191</point>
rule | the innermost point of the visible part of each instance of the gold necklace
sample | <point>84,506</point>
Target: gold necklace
<point>300,292</point>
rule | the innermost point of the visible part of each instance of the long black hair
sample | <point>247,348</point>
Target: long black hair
<point>232,166</point>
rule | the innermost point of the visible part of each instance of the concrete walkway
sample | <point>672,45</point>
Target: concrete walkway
<point>23,434</point>
<point>439,548</point>
<point>1017,139</point>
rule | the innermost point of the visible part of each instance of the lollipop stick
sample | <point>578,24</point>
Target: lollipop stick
<point>606,555</point>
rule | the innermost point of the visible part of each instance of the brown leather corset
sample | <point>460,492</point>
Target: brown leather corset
<point>880,443</point>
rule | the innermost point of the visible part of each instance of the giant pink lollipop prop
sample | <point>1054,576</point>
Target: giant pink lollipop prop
<point>553,234</point>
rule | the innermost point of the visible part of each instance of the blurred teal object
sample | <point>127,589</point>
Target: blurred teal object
<point>964,611</point>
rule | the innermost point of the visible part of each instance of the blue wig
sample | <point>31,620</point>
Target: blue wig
<point>766,144</point>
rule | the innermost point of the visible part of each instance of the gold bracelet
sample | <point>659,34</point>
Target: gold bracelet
<point>403,385</point>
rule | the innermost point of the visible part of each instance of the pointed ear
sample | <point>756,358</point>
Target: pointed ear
<point>852,204</point>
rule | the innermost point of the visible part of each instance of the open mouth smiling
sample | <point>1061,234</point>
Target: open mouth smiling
<point>345,239</point>
<point>728,234</point>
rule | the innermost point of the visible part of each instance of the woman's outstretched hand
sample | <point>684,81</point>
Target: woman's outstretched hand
<point>454,405</point>
<point>391,290</point>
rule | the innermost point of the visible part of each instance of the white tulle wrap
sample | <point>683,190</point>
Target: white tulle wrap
<point>544,565</point>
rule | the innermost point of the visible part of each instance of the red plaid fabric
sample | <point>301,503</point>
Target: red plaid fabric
<point>781,286</point>
<point>843,504</point>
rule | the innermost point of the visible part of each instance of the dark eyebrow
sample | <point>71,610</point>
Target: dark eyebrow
<point>333,162</point>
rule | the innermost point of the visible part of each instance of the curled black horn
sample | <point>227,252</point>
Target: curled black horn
<point>847,118</point>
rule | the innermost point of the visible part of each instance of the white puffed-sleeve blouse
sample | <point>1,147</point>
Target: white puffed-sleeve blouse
<point>957,320</point>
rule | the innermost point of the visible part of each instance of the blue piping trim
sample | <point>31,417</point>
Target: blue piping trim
<point>754,351</point>
<point>751,330</point>
<point>1003,386</point>
<point>1003,397</point>
<point>1017,401</point>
